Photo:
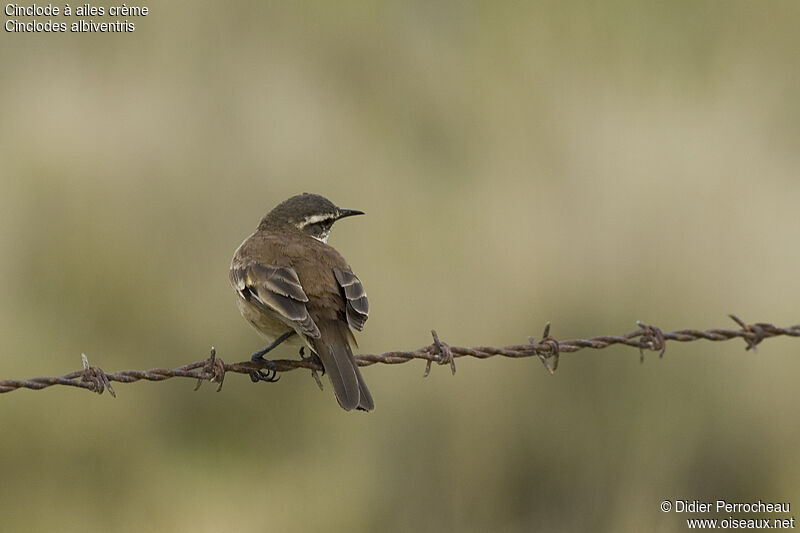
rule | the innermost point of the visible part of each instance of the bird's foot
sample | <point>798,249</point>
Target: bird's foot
<point>313,357</point>
<point>269,375</point>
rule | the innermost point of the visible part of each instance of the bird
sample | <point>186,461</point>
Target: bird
<point>293,287</point>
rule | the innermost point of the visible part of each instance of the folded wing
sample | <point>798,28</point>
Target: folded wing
<point>357,307</point>
<point>277,289</point>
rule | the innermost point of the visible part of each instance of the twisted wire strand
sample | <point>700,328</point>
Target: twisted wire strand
<point>548,349</point>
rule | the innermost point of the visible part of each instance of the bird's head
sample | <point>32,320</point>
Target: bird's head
<point>312,214</point>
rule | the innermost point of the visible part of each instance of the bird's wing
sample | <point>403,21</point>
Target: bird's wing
<point>357,308</point>
<point>276,289</point>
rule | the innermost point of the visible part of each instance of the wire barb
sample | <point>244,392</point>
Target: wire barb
<point>548,350</point>
<point>753,333</point>
<point>443,355</point>
<point>651,338</point>
<point>214,370</point>
<point>95,378</point>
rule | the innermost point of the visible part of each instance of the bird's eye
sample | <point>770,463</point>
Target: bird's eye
<point>323,227</point>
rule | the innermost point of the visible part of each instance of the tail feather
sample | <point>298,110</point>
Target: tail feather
<point>365,402</point>
<point>334,351</point>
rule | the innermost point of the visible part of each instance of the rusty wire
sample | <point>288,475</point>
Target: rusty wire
<point>548,350</point>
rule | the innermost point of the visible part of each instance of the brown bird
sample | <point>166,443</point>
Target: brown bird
<point>291,286</point>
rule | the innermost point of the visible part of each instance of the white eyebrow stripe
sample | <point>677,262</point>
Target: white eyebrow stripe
<point>313,219</point>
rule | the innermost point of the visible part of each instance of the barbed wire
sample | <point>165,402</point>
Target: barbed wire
<point>547,349</point>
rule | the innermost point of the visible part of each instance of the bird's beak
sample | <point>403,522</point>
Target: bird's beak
<point>348,213</point>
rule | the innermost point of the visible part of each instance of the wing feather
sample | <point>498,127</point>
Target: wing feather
<point>357,308</point>
<point>276,289</point>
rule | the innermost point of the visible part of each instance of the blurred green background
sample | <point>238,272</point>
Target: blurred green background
<point>585,163</point>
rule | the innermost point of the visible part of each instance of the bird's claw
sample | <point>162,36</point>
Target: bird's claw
<point>268,375</point>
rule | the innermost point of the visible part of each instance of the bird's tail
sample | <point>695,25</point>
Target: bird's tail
<point>334,350</point>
